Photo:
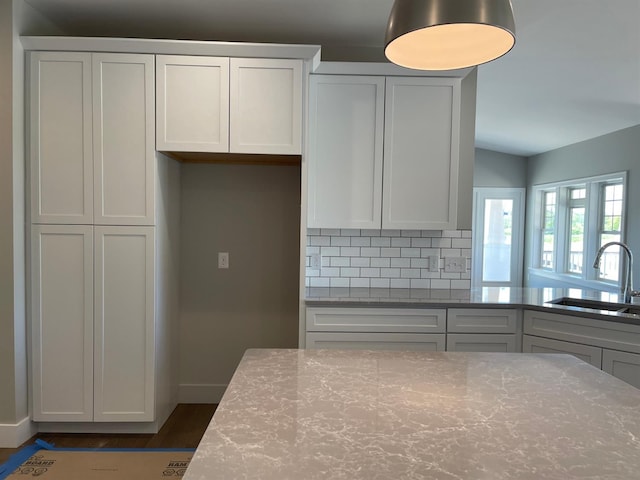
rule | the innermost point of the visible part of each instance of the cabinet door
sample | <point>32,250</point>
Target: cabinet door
<point>481,320</point>
<point>346,120</point>
<point>377,341</point>
<point>124,139</point>
<point>393,320</point>
<point>60,155</point>
<point>589,354</point>
<point>62,322</point>
<point>623,365</point>
<point>192,103</point>
<point>266,106</point>
<point>481,342</point>
<point>124,319</point>
<point>421,153</point>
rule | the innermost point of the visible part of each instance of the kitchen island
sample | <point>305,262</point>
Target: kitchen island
<point>337,414</point>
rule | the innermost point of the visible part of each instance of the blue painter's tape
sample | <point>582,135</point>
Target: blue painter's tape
<point>18,459</point>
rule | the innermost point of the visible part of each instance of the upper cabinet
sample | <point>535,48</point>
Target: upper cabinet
<point>92,155</point>
<point>384,152</point>
<point>236,105</point>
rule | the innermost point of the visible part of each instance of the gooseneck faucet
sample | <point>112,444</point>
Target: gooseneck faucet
<point>626,288</point>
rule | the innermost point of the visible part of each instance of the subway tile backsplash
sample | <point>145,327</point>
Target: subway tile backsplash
<point>386,258</point>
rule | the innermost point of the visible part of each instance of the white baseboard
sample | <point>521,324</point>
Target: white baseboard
<point>14,435</point>
<point>201,393</point>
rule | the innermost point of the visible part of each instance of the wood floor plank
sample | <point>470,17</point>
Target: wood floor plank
<point>183,429</point>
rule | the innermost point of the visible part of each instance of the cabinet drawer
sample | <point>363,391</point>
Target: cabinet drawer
<point>377,341</point>
<point>600,333</point>
<point>623,365</point>
<point>472,320</point>
<point>587,353</point>
<point>321,319</point>
<point>482,342</point>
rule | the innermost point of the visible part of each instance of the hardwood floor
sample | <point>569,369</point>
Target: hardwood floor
<point>183,429</point>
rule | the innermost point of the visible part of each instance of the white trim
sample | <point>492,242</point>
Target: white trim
<point>201,393</point>
<point>99,427</point>
<point>387,69</point>
<point>173,47</point>
<point>14,435</point>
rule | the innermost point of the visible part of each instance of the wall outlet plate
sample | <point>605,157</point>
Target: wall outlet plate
<point>434,263</point>
<point>316,261</point>
<point>223,259</point>
<point>455,264</point>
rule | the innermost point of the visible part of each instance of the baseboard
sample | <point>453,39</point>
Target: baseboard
<point>201,393</point>
<point>99,427</point>
<point>12,436</point>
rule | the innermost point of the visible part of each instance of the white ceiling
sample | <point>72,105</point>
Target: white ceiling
<point>574,73</point>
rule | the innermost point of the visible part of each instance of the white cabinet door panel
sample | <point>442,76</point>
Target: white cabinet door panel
<point>62,322</point>
<point>377,341</point>
<point>124,139</point>
<point>623,365</point>
<point>265,106</point>
<point>424,320</point>
<point>124,318</point>
<point>346,122</point>
<point>481,342</point>
<point>421,154</point>
<point>61,164</point>
<point>481,320</point>
<point>589,354</point>
<point>192,103</point>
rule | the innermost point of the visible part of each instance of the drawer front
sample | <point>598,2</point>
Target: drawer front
<point>481,342</point>
<point>587,353</point>
<point>473,320</point>
<point>623,365</point>
<point>600,333</point>
<point>399,320</point>
<point>377,341</point>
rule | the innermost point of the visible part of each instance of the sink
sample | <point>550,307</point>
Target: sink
<point>593,304</point>
<point>597,305</point>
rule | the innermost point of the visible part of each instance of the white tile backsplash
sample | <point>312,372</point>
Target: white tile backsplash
<point>386,258</point>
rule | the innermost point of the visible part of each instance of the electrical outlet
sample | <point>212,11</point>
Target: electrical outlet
<point>316,261</point>
<point>434,263</point>
<point>223,259</point>
<point>455,264</point>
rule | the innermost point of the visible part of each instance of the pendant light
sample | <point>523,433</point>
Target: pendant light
<point>448,34</point>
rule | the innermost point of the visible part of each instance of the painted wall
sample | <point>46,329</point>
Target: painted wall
<point>495,169</point>
<point>615,152</point>
<point>253,213</point>
<point>16,18</point>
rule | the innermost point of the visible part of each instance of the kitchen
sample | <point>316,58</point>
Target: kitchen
<point>623,140</point>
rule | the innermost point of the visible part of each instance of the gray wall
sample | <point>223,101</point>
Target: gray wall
<point>16,18</point>
<point>495,169</point>
<point>615,152</point>
<point>252,212</point>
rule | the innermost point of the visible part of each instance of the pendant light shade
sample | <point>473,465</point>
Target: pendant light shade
<point>448,34</point>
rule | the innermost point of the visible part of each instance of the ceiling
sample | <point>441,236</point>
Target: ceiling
<point>573,75</point>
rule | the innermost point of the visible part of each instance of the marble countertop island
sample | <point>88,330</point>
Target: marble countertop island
<point>374,415</point>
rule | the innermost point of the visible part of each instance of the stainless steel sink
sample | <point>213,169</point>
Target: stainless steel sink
<point>597,305</point>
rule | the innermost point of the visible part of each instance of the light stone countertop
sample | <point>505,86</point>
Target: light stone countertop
<point>381,415</point>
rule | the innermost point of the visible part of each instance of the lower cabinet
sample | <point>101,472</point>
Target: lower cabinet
<point>623,365</point>
<point>481,342</point>
<point>375,341</point>
<point>612,346</point>
<point>93,329</point>
<point>589,354</point>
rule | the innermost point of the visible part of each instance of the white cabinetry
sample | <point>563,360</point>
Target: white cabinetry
<point>409,182</point>
<point>386,328</point>
<point>346,129</point>
<point>482,330</point>
<point>237,105</point>
<point>93,329</point>
<point>97,315</point>
<point>612,346</point>
<point>92,156</point>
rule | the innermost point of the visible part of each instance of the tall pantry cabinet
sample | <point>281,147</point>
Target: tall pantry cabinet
<point>100,327</point>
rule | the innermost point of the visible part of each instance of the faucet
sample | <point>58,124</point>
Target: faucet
<point>626,288</point>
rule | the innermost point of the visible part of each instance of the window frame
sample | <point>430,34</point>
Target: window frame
<point>594,203</point>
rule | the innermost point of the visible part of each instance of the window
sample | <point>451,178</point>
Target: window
<point>574,220</point>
